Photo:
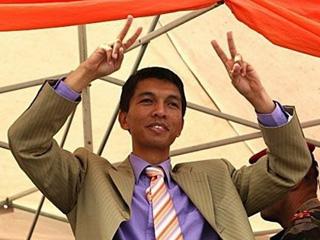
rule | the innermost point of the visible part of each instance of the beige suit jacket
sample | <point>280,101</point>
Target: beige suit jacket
<point>96,196</point>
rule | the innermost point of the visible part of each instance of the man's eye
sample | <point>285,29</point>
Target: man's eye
<point>146,100</point>
<point>174,104</point>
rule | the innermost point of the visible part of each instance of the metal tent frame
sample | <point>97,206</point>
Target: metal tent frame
<point>87,121</point>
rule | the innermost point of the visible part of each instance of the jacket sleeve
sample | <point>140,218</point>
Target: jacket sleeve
<point>286,163</point>
<point>57,173</point>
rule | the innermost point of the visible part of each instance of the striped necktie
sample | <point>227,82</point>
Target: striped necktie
<point>166,224</point>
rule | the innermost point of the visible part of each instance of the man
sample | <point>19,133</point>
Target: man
<point>142,197</point>
<point>298,211</point>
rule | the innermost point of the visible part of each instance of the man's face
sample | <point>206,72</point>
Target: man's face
<point>154,118</point>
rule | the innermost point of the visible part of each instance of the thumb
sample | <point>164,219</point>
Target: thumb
<point>236,71</point>
<point>120,57</point>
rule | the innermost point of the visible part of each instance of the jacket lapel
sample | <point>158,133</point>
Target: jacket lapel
<point>196,186</point>
<point>123,177</point>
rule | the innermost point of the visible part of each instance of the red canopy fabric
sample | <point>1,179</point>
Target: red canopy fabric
<point>33,14</point>
<point>293,24</point>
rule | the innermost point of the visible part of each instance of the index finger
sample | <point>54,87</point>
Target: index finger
<point>126,28</point>
<point>232,46</point>
<point>220,52</point>
<point>133,38</point>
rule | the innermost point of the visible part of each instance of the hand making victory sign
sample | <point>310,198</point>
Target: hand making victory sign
<point>105,60</point>
<point>244,78</point>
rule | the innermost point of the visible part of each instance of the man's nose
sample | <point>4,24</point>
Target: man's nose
<point>159,110</point>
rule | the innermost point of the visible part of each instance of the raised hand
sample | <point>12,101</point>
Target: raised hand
<point>105,60</point>
<point>244,78</point>
<point>108,57</point>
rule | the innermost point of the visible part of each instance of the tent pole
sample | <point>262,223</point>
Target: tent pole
<point>145,45</point>
<point>66,131</point>
<point>86,105</point>
<point>172,25</point>
<point>44,214</point>
<point>311,123</point>
<point>223,115</point>
<point>134,69</point>
<point>28,84</point>
<point>22,194</point>
<point>113,80</point>
<point>108,131</point>
<point>4,145</point>
<point>313,141</point>
<point>214,144</point>
<point>35,220</point>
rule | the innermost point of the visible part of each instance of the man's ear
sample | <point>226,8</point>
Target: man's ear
<point>122,118</point>
<point>182,124</point>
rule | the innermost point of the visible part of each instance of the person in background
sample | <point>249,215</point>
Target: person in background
<point>298,211</point>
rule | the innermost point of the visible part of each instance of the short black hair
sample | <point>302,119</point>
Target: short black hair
<point>160,73</point>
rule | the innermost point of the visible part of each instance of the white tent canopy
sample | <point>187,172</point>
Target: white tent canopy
<point>290,77</point>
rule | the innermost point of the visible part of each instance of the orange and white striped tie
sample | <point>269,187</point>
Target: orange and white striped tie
<point>166,224</point>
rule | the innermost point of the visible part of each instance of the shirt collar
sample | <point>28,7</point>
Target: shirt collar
<point>138,165</point>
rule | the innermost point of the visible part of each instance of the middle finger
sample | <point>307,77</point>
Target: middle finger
<point>231,44</point>
<point>126,28</point>
<point>133,38</point>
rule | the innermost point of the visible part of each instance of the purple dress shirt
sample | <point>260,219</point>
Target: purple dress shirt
<point>140,225</point>
<point>192,223</point>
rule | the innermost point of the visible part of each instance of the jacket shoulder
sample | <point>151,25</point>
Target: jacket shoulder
<point>207,165</point>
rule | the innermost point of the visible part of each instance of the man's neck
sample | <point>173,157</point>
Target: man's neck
<point>152,156</point>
